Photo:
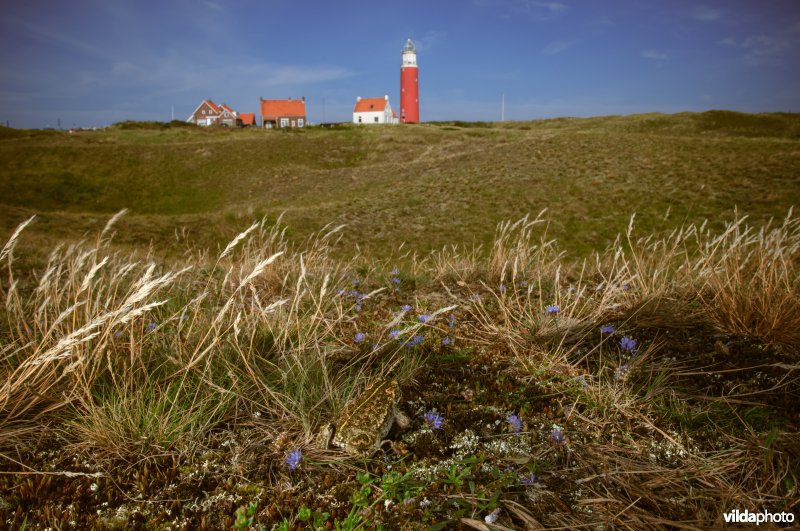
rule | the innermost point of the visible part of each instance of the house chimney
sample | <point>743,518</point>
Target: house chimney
<point>303,98</point>
<point>386,97</point>
<point>358,98</point>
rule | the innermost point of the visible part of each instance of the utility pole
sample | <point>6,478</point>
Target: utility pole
<point>503,107</point>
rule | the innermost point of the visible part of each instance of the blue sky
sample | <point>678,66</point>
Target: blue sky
<point>94,62</point>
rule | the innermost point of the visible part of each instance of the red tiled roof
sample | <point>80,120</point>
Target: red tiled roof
<point>276,108</point>
<point>213,105</point>
<point>370,105</point>
<point>227,108</point>
<point>248,118</point>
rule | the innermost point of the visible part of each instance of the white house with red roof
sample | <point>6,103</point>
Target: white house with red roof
<point>373,111</point>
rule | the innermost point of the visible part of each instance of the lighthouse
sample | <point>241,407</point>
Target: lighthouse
<point>409,85</point>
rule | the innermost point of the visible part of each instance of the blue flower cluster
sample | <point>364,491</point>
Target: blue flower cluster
<point>557,436</point>
<point>434,420</point>
<point>292,460</point>
<point>629,344</point>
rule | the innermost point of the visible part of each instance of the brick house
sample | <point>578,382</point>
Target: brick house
<point>209,113</point>
<point>283,113</point>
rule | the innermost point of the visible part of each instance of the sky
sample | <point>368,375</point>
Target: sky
<point>85,63</point>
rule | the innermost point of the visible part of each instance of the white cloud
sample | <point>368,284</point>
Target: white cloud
<point>556,47</point>
<point>655,56</point>
<point>763,49</point>
<point>705,13</point>
<point>534,9</point>
<point>427,41</point>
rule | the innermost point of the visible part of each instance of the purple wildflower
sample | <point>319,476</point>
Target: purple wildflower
<point>492,517</point>
<point>447,341</point>
<point>396,281</point>
<point>582,382</point>
<point>557,436</point>
<point>515,422</point>
<point>621,372</point>
<point>424,318</point>
<point>406,308</point>
<point>607,329</point>
<point>502,288</point>
<point>393,334</point>
<point>451,321</point>
<point>434,420</point>
<point>529,480</point>
<point>358,307</point>
<point>292,460</point>
<point>118,333</point>
<point>151,327</point>
<point>628,343</point>
<point>360,337</point>
<point>416,340</point>
<point>552,309</point>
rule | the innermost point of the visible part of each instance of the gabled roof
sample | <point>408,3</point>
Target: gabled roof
<point>275,108</point>
<point>227,108</point>
<point>248,118</point>
<point>210,103</point>
<point>371,105</point>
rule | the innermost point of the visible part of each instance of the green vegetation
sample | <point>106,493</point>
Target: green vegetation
<point>429,186</point>
<point>581,369</point>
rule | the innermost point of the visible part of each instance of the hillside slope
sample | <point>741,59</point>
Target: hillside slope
<point>427,185</point>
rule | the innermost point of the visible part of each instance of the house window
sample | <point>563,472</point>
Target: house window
<point>376,119</point>
<point>359,119</point>
<point>299,122</point>
<point>203,111</point>
<point>284,122</point>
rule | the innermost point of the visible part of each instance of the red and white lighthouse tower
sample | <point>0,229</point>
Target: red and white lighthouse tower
<point>409,85</point>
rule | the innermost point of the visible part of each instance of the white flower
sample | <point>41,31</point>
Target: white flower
<point>492,516</point>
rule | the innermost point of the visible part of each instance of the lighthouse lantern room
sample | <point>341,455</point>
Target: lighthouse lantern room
<point>409,85</point>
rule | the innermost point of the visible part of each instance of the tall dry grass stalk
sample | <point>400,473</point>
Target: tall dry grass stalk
<point>751,280</point>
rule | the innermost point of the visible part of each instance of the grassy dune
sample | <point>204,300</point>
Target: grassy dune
<point>428,186</point>
<point>577,370</point>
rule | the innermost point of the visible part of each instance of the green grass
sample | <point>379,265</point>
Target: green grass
<point>427,185</point>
